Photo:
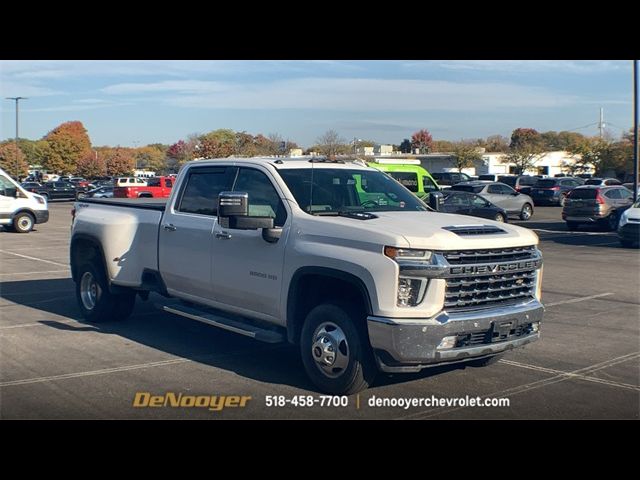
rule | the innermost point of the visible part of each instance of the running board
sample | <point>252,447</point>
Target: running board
<point>246,329</point>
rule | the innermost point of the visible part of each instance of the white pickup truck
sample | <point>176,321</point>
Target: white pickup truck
<point>335,257</point>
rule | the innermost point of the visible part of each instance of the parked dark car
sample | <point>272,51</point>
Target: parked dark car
<point>466,203</point>
<point>594,205</point>
<point>501,195</point>
<point>450,178</point>
<point>603,181</point>
<point>57,190</point>
<point>31,186</point>
<point>488,176</point>
<point>552,191</point>
<point>517,182</point>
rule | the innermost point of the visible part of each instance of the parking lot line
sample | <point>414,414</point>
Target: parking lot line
<point>582,377</point>
<point>35,273</point>
<point>34,258</point>
<point>432,412</point>
<point>567,232</point>
<point>576,300</point>
<point>126,368</point>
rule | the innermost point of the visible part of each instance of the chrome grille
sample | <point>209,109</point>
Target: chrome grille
<point>489,288</point>
<point>466,257</point>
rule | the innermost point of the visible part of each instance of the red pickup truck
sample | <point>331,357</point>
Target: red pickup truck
<point>157,187</point>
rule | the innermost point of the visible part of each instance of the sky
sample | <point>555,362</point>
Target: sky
<point>134,103</point>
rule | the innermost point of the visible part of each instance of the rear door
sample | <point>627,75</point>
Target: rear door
<point>186,232</point>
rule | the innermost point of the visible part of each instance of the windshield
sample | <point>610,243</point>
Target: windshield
<point>468,188</point>
<point>340,190</point>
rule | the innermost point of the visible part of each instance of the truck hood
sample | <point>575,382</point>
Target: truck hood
<point>429,230</point>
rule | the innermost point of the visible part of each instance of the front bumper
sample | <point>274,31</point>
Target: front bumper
<point>630,231</point>
<point>411,345</point>
<point>42,216</point>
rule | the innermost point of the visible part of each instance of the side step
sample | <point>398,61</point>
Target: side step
<point>246,329</point>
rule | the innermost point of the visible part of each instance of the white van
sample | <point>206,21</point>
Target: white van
<point>130,182</point>
<point>20,210</point>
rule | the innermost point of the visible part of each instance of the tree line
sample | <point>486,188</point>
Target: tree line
<point>67,149</point>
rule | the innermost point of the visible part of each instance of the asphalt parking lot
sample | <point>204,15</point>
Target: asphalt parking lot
<point>53,365</point>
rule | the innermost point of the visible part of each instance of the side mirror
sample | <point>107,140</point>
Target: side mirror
<point>436,200</point>
<point>233,213</point>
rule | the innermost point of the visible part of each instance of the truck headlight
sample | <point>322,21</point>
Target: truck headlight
<point>407,253</point>
<point>411,291</point>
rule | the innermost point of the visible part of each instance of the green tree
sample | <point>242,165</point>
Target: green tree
<point>465,154</point>
<point>150,158</point>
<point>217,144</point>
<point>526,148</point>
<point>12,160</point>
<point>442,146</point>
<point>66,144</point>
<point>592,152</point>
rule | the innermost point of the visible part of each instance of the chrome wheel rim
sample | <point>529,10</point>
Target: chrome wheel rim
<point>89,291</point>
<point>526,212</point>
<point>499,218</point>
<point>25,223</point>
<point>330,350</point>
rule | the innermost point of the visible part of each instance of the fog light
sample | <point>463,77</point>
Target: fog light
<point>535,327</point>
<point>447,342</point>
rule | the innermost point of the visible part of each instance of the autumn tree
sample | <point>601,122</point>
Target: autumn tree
<point>526,148</point>
<point>465,154</point>
<point>12,160</point>
<point>331,143</point>
<point>92,165</point>
<point>66,144</point>
<point>442,146</point>
<point>119,161</point>
<point>217,144</point>
<point>496,143</point>
<point>422,140</point>
<point>150,158</point>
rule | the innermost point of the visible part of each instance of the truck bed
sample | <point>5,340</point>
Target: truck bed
<point>158,204</point>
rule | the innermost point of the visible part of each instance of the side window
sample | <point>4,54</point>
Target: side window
<point>494,189</point>
<point>505,190</point>
<point>457,200</point>
<point>407,179</point>
<point>264,200</point>
<point>614,194</point>
<point>428,184</point>
<point>202,188</point>
<point>153,182</point>
<point>479,202</point>
<point>168,182</point>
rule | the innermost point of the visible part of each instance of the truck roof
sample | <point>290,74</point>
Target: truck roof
<point>284,163</point>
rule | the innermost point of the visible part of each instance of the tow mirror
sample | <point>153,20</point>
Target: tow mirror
<point>436,200</point>
<point>233,213</point>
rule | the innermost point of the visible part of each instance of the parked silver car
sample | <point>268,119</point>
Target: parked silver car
<point>591,204</point>
<point>505,197</point>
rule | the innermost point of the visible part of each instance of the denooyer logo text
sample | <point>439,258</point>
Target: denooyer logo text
<point>214,403</point>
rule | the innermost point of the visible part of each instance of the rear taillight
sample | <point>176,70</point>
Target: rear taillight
<point>599,198</point>
<point>555,189</point>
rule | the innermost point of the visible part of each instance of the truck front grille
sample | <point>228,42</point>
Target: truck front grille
<point>484,337</point>
<point>466,257</point>
<point>489,288</point>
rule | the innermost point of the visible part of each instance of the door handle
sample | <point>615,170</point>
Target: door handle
<point>223,235</point>
<point>171,227</point>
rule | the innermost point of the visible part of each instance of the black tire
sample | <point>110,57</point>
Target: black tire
<point>527,212</point>
<point>626,243</point>
<point>499,218</point>
<point>611,222</point>
<point>572,226</point>
<point>485,362</point>
<point>101,305</point>
<point>23,223</point>
<point>359,371</point>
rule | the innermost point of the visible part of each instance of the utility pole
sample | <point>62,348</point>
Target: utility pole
<point>601,123</point>
<point>16,166</point>
<point>635,130</point>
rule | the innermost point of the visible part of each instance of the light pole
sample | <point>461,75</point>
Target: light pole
<point>355,145</point>
<point>17,100</point>
<point>635,130</point>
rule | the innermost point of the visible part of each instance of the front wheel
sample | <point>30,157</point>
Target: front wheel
<point>499,217</point>
<point>23,222</point>
<point>96,302</point>
<point>526,212</point>
<point>335,351</point>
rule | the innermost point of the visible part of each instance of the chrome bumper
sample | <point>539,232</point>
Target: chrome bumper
<point>409,345</point>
